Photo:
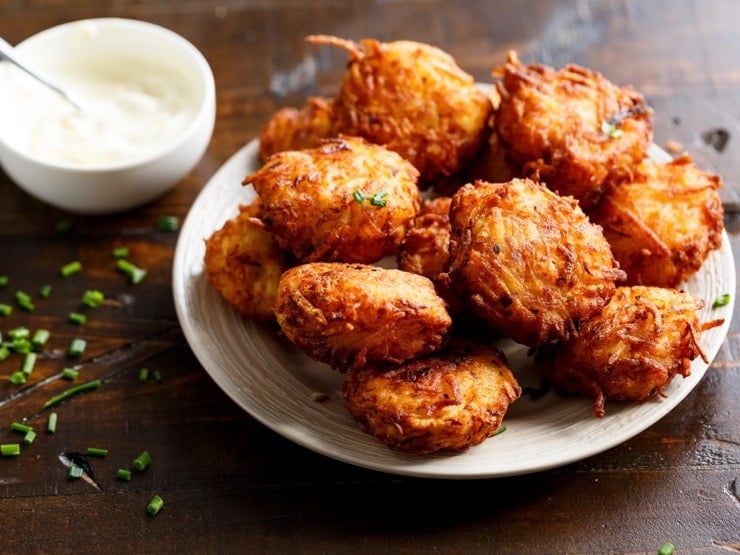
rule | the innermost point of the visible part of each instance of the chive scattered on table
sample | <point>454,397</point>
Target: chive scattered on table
<point>97,452</point>
<point>21,345</point>
<point>71,268</point>
<point>667,549</point>
<point>24,301</point>
<point>10,449</point>
<point>28,363</point>
<point>17,378</point>
<point>77,318</point>
<point>20,427</point>
<point>721,300</point>
<point>92,298</point>
<point>134,273</point>
<point>76,347</point>
<point>155,505</point>
<point>4,352</point>
<point>19,333</point>
<point>143,461</point>
<point>4,281</point>
<point>66,394</point>
<point>29,437</point>
<point>70,374</point>
<point>40,338</point>
<point>168,223</point>
<point>45,291</point>
<point>123,474</point>
<point>6,309</point>
<point>143,374</point>
<point>120,252</point>
<point>51,424</point>
<point>157,375</point>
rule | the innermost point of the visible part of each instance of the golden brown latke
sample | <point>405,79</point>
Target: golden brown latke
<point>445,402</point>
<point>347,200</point>
<point>527,260</point>
<point>349,315</point>
<point>243,263</point>
<point>573,127</point>
<point>294,129</point>
<point>414,99</point>
<point>425,248</point>
<point>632,349</point>
<point>663,223</point>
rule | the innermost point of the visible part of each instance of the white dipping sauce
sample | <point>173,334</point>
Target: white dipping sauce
<point>131,108</point>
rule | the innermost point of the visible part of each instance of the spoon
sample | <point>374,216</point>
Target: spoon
<point>7,52</point>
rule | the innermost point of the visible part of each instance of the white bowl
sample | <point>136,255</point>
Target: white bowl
<point>114,154</point>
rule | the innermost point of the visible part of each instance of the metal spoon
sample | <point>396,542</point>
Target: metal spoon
<point>7,52</point>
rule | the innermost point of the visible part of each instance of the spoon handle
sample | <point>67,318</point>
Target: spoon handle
<point>7,52</point>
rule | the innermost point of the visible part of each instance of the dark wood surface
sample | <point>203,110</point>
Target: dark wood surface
<point>230,484</point>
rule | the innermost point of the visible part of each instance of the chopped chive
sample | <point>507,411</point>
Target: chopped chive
<point>97,452</point>
<point>40,338</point>
<point>92,298</point>
<point>28,363</point>
<point>501,429</point>
<point>24,301</point>
<point>45,291</point>
<point>155,505</point>
<point>359,196</point>
<point>76,347</point>
<point>168,223</point>
<point>66,394</point>
<point>123,474</point>
<point>21,345</point>
<point>19,333</point>
<point>51,424</point>
<point>667,549</point>
<point>143,461</point>
<point>77,318</point>
<point>609,128</point>
<point>120,252</point>
<point>20,427</point>
<point>29,437</point>
<point>5,309</point>
<point>17,378</point>
<point>4,352</point>
<point>71,268</point>
<point>75,472</point>
<point>4,280</point>
<point>722,300</point>
<point>134,273</point>
<point>70,374</point>
<point>379,199</point>
<point>157,375</point>
<point>143,374</point>
<point>10,449</point>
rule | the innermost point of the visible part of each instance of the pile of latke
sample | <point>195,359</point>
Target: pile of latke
<point>528,210</point>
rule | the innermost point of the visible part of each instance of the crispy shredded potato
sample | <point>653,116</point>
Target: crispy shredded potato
<point>445,402</point>
<point>293,129</point>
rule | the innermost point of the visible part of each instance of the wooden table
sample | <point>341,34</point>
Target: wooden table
<point>232,485</point>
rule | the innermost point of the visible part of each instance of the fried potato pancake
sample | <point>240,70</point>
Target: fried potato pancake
<point>632,349</point>
<point>414,99</point>
<point>296,129</point>
<point>243,263</point>
<point>664,222</point>
<point>425,248</point>
<point>527,260</point>
<point>347,200</point>
<point>350,315</point>
<point>445,402</point>
<point>574,128</point>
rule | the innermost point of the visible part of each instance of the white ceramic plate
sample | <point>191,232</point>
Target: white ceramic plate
<point>279,386</point>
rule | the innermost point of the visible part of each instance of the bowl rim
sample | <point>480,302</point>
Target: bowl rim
<point>205,110</point>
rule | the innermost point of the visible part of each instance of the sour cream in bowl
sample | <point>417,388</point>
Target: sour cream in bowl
<point>147,99</point>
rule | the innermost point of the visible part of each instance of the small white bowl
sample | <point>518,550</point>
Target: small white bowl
<point>133,140</point>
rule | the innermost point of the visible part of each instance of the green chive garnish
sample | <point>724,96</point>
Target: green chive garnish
<point>20,427</point>
<point>359,196</point>
<point>76,347</point>
<point>134,273</point>
<point>97,452</point>
<point>51,424</point>
<point>93,384</point>
<point>155,505</point>
<point>92,298</point>
<point>157,375</point>
<point>28,363</point>
<point>123,474</point>
<point>120,252</point>
<point>70,374</point>
<point>10,449</point>
<point>168,223</point>
<point>4,352</point>
<point>19,333</point>
<point>379,199</point>
<point>40,338</point>
<point>21,345</point>
<point>5,309</point>
<point>667,549</point>
<point>24,301</point>
<point>143,461</point>
<point>143,374</point>
<point>722,300</point>
<point>45,291</point>
<point>71,268</point>
<point>611,129</point>
<point>77,318</point>
<point>17,378</point>
<point>74,472</point>
<point>29,437</point>
<point>4,280</point>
